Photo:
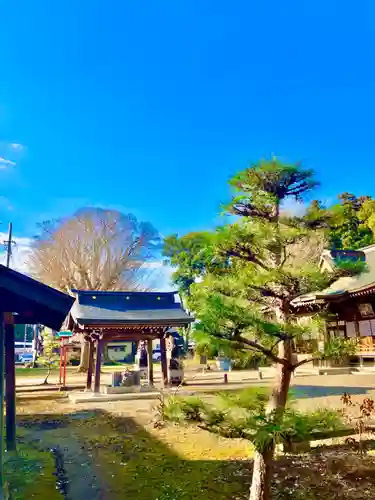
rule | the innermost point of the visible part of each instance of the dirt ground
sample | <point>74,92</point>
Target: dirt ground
<point>111,450</point>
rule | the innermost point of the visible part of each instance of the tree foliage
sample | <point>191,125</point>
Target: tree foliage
<point>352,222</point>
<point>50,356</point>
<point>249,301</point>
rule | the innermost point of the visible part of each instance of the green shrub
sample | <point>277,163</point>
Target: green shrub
<point>248,360</point>
<point>178,409</point>
<point>243,414</point>
<point>338,348</point>
<point>207,349</point>
<point>300,425</point>
<point>251,399</point>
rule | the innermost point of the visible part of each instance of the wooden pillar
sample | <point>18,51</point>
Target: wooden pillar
<point>150,366</point>
<point>99,350</point>
<point>10,387</point>
<point>90,367</point>
<point>164,365</point>
<point>356,326</point>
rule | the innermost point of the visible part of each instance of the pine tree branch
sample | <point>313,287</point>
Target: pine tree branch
<point>249,256</point>
<point>304,362</point>
<point>261,348</point>
<point>267,292</point>
<point>285,256</point>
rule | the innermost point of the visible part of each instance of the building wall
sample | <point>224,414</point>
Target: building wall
<point>121,351</point>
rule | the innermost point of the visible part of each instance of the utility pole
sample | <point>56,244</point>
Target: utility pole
<point>8,244</point>
<point>8,361</point>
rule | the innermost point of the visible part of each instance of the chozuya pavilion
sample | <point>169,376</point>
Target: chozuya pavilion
<point>102,317</point>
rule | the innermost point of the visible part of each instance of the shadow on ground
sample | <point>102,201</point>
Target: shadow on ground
<point>316,391</point>
<point>113,457</point>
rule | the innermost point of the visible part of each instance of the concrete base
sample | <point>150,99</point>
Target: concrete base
<point>85,397</point>
<point>341,370</point>
<point>135,389</point>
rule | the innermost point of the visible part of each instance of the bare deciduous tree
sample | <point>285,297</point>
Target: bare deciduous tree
<point>96,249</point>
<point>308,250</point>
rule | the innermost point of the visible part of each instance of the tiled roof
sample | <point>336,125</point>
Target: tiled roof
<point>347,285</point>
<point>128,308</point>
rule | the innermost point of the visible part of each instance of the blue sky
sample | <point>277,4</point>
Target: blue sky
<point>150,106</point>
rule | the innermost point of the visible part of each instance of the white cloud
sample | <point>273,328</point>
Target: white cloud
<point>293,207</point>
<point>4,163</point>
<point>153,264</point>
<point>20,252</point>
<point>16,146</point>
<point>160,275</point>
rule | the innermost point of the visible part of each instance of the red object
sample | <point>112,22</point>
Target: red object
<point>63,362</point>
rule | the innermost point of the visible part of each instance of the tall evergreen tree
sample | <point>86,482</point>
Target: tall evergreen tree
<point>348,227</point>
<point>248,302</point>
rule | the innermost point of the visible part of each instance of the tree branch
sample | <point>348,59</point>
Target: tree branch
<point>304,362</point>
<point>267,292</point>
<point>261,348</point>
<point>285,256</point>
<point>249,256</point>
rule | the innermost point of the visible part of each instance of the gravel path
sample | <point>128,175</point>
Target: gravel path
<point>81,471</point>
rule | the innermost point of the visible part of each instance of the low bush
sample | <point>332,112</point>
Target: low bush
<point>178,409</point>
<point>337,349</point>
<point>243,415</point>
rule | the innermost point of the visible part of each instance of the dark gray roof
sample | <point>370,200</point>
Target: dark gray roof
<point>128,308</point>
<point>33,301</point>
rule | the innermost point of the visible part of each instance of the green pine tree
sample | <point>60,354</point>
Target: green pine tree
<point>348,226</point>
<point>247,281</point>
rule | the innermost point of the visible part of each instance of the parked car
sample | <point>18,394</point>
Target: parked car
<point>26,358</point>
<point>156,356</point>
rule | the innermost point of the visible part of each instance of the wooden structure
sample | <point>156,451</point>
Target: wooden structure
<point>349,303</point>
<point>63,337</point>
<point>22,301</point>
<point>103,316</point>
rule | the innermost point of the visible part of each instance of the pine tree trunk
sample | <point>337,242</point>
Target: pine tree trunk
<point>260,486</point>
<point>261,480</point>
<point>279,395</point>
<point>85,350</point>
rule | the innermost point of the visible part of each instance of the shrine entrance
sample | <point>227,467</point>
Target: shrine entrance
<point>103,317</point>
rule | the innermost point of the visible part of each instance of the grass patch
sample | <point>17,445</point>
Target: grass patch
<point>40,372</point>
<point>29,472</point>
<point>32,372</point>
